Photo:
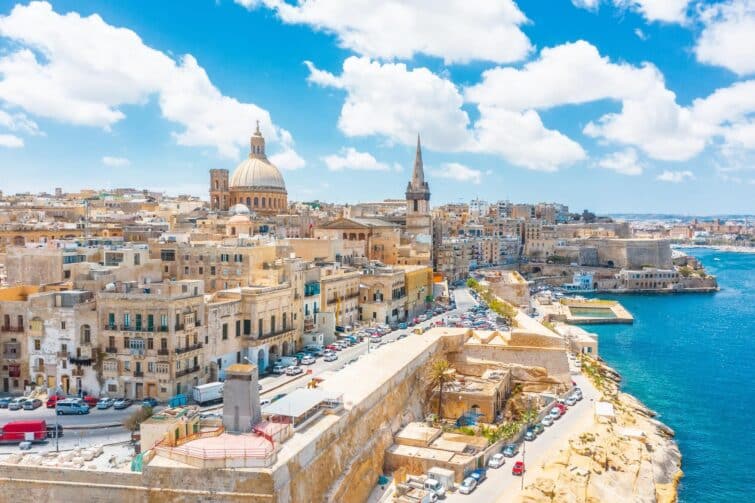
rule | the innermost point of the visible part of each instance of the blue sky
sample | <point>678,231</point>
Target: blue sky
<point>612,105</point>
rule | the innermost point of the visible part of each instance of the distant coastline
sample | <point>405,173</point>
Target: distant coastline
<point>726,248</point>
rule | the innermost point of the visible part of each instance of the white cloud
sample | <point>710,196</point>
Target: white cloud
<point>393,101</point>
<point>640,34</point>
<point>115,162</point>
<point>666,11</point>
<point>728,36</point>
<point>11,141</point>
<point>675,176</point>
<point>350,158</point>
<point>83,71</point>
<point>586,4</point>
<point>18,122</point>
<point>458,172</point>
<point>522,139</point>
<point>454,30</point>
<point>625,162</point>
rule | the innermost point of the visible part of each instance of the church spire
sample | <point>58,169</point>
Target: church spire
<point>418,177</point>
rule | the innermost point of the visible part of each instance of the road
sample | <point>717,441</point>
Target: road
<point>501,486</point>
<point>273,385</point>
<point>95,416</point>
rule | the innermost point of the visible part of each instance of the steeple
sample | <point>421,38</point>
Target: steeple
<point>418,177</point>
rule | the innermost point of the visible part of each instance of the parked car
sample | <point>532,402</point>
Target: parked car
<point>538,428</point>
<point>279,369</point>
<point>547,421</point>
<point>16,403</point>
<point>467,485</point>
<point>32,403</point>
<point>52,400</point>
<point>91,400</point>
<point>294,370</point>
<point>105,403</point>
<point>496,461</point>
<point>530,435</point>
<point>333,347</point>
<point>122,403</point>
<point>562,407</point>
<point>402,326</point>
<point>308,360</point>
<point>555,413</point>
<point>479,474</point>
<point>518,468</point>
<point>330,357</point>
<point>510,450</point>
<point>149,402</point>
<point>571,401</point>
<point>71,406</point>
<point>4,402</point>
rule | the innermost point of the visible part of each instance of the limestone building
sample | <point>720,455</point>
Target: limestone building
<point>255,183</point>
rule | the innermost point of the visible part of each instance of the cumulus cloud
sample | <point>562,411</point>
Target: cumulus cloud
<point>350,158</point>
<point>396,102</point>
<point>115,162</point>
<point>625,162</point>
<point>388,29</point>
<point>83,71</point>
<point>18,122</point>
<point>675,176</point>
<point>666,11</point>
<point>458,172</point>
<point>728,36</point>
<point>11,141</point>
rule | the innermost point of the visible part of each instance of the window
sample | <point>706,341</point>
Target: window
<point>284,320</point>
<point>212,270</point>
<point>238,328</point>
<point>126,342</point>
<point>37,344</point>
<point>62,325</point>
<point>164,344</point>
<point>168,255</point>
<point>126,320</point>
<point>151,367</point>
<point>127,365</point>
<point>150,322</point>
<point>247,327</point>
<point>259,327</point>
<point>225,331</point>
<point>86,334</point>
<point>164,322</point>
<point>150,343</point>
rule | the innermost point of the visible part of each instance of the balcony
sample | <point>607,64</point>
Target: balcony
<point>163,352</point>
<point>11,356</point>
<point>77,372</point>
<point>188,348</point>
<point>8,328</point>
<point>188,371</point>
<point>62,354</point>
<point>138,373</point>
<point>41,368</point>
<point>111,350</point>
<point>273,334</point>
<point>80,361</point>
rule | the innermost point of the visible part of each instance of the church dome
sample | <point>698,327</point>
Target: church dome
<point>239,209</point>
<point>257,172</point>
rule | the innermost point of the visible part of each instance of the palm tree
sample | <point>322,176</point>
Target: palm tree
<point>439,374</point>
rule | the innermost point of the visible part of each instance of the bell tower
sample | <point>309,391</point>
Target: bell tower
<point>219,194</point>
<point>418,219</point>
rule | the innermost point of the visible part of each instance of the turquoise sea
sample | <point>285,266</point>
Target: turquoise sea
<point>691,358</point>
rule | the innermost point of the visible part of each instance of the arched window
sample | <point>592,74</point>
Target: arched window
<point>256,202</point>
<point>216,185</point>
<point>263,202</point>
<point>248,202</point>
<point>86,334</point>
<point>233,231</point>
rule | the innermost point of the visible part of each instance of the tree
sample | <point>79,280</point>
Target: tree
<point>140,415</point>
<point>440,373</point>
<point>472,283</point>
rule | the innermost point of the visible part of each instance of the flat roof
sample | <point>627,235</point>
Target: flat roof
<point>299,401</point>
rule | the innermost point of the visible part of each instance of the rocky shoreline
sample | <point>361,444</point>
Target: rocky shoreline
<point>632,459</point>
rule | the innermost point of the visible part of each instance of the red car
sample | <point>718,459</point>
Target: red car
<point>333,347</point>
<point>518,468</point>
<point>91,401</point>
<point>53,400</point>
<point>562,408</point>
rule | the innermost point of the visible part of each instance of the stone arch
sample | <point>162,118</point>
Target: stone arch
<point>361,236</point>
<point>274,355</point>
<point>285,348</point>
<point>261,364</point>
<point>19,241</point>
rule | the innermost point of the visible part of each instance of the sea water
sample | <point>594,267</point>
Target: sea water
<point>691,358</point>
